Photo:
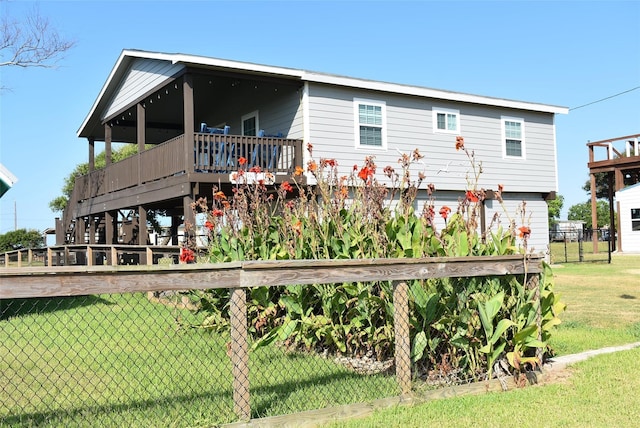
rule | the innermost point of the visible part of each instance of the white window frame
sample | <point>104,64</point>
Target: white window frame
<point>357,102</point>
<point>445,111</point>
<point>523,151</point>
<point>249,116</point>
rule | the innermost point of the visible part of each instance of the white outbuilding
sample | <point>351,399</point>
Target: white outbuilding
<point>628,201</point>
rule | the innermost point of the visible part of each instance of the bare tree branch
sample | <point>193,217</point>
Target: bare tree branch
<point>32,43</point>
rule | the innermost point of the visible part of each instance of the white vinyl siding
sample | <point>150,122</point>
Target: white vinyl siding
<point>446,121</point>
<point>408,125</point>
<point>370,122</point>
<point>513,137</point>
<point>142,76</point>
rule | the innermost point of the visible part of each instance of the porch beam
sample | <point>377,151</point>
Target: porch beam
<point>140,136</point>
<point>107,144</point>
<point>189,121</point>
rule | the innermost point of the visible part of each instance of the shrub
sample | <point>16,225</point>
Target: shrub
<point>462,325</point>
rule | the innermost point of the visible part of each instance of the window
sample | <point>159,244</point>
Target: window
<point>635,219</point>
<point>250,124</point>
<point>513,137</point>
<point>447,121</point>
<point>370,124</point>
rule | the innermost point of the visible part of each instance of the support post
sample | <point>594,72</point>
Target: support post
<point>240,354</point>
<point>594,211</point>
<point>141,136</point>
<point>107,144</point>
<point>403,342</point>
<point>142,232</point>
<point>534,283</point>
<point>189,121</point>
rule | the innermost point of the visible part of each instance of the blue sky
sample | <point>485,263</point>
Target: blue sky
<point>561,53</point>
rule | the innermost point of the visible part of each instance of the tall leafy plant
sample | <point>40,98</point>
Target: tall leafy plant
<point>469,324</point>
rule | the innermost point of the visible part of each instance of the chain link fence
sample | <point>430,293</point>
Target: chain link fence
<point>143,359</point>
<point>578,246</point>
<point>127,360</point>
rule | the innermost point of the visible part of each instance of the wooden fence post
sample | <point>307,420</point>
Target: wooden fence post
<point>403,342</point>
<point>533,283</point>
<point>240,354</point>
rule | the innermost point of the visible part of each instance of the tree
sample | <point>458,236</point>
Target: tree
<point>31,43</point>
<point>602,186</point>
<point>583,212</point>
<point>21,238</point>
<point>554,208</point>
<point>60,203</point>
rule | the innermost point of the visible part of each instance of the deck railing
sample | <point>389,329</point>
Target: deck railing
<point>212,153</point>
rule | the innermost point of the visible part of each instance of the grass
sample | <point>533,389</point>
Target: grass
<point>603,309</point>
<point>157,374</point>
<point>565,252</point>
<point>55,370</point>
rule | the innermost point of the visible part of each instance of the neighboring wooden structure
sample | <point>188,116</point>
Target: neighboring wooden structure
<point>622,166</point>
<point>75,281</point>
<point>192,117</point>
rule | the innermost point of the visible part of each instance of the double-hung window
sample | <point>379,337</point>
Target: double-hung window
<point>370,123</point>
<point>446,121</point>
<point>513,137</point>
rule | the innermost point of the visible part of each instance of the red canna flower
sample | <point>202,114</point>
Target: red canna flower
<point>217,212</point>
<point>312,166</point>
<point>524,231</point>
<point>286,187</point>
<point>242,160</point>
<point>459,143</point>
<point>365,173</point>
<point>500,188</point>
<point>187,255</point>
<point>472,196</point>
<point>208,225</point>
<point>219,196</point>
<point>299,171</point>
<point>255,169</point>
<point>444,211</point>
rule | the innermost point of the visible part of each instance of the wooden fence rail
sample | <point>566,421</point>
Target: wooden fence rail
<point>27,282</point>
<point>90,255</point>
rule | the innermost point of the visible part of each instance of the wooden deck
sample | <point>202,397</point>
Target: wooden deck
<point>213,157</point>
<point>179,169</point>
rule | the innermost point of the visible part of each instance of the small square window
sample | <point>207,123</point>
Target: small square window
<point>447,121</point>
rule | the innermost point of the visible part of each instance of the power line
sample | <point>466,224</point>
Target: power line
<point>604,99</point>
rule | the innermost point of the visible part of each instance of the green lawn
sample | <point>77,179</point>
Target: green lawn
<point>158,374</point>
<point>120,360</point>
<point>603,309</point>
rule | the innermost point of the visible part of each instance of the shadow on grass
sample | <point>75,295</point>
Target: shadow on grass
<point>121,414</point>
<point>11,308</point>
